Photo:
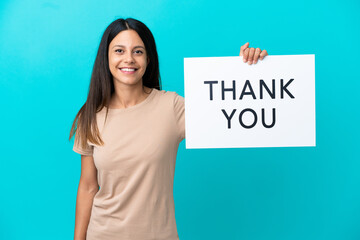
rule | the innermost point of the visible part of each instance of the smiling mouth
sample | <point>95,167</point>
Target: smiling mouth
<point>128,69</point>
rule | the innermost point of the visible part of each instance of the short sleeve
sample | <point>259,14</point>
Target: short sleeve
<point>179,110</point>
<point>78,149</point>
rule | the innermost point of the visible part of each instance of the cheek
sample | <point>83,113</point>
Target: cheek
<point>144,63</point>
<point>112,64</point>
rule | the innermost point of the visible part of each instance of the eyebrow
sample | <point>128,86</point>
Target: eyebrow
<point>124,46</point>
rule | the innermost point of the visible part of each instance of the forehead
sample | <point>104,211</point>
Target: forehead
<point>127,38</point>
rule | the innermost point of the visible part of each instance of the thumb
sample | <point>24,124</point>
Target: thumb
<point>243,47</point>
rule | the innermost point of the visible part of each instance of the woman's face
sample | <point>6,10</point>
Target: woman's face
<point>127,58</point>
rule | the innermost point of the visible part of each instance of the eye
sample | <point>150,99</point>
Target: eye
<point>119,50</point>
<point>138,52</point>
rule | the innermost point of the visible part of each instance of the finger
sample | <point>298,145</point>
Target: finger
<point>246,54</point>
<point>243,47</point>
<point>256,55</point>
<point>263,54</point>
<point>251,55</point>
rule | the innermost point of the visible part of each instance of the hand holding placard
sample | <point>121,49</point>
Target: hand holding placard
<point>251,55</point>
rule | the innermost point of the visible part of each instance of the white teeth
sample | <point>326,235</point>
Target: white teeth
<point>128,69</point>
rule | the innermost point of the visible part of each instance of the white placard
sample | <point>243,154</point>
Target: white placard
<point>230,104</point>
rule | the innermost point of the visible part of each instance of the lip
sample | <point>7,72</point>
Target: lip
<point>128,72</point>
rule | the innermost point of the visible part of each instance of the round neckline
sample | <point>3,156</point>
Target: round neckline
<point>147,99</point>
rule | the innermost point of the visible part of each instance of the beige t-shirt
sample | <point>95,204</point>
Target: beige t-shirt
<point>135,169</point>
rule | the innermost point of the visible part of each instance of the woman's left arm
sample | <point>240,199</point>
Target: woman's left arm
<point>251,55</point>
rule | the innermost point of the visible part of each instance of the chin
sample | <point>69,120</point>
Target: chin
<point>129,82</point>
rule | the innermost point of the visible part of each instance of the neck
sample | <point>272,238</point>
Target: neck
<point>128,95</point>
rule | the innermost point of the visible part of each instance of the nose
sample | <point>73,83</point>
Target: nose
<point>128,57</point>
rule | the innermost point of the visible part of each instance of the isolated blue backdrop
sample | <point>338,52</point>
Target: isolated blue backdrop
<point>47,49</point>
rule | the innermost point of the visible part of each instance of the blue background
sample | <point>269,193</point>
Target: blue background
<point>47,52</point>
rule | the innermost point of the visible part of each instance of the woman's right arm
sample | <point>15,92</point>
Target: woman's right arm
<point>88,187</point>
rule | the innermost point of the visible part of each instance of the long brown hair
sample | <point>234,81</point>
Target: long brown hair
<point>101,84</point>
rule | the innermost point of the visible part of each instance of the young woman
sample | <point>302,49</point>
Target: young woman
<point>128,133</point>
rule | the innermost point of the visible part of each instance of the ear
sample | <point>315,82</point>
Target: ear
<point>148,60</point>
